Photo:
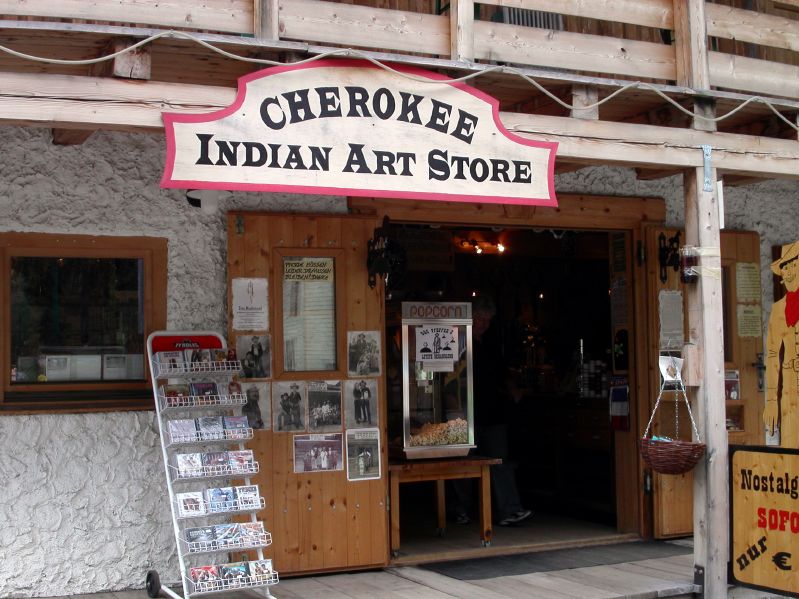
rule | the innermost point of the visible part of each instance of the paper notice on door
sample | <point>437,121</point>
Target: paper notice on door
<point>250,304</point>
<point>747,282</point>
<point>671,319</point>
<point>750,322</point>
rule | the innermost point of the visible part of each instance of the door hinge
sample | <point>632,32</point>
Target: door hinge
<point>239,224</point>
<point>640,253</point>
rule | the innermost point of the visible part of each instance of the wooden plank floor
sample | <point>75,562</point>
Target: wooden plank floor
<point>645,579</point>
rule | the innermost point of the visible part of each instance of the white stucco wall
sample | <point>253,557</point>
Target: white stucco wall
<point>84,507</point>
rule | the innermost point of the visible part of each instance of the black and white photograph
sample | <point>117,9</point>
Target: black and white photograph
<point>318,453</point>
<point>289,406</point>
<point>258,407</point>
<point>363,353</point>
<point>255,353</point>
<point>324,406</point>
<point>360,403</point>
<point>363,454</point>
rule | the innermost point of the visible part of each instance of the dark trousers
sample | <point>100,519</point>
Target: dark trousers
<point>492,442</point>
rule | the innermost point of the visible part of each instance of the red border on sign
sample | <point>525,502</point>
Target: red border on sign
<point>170,118</point>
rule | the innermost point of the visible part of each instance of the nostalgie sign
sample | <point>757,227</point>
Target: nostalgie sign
<point>764,518</point>
<point>350,127</point>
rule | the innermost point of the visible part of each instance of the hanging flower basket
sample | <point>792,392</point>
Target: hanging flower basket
<point>663,454</point>
<point>669,456</point>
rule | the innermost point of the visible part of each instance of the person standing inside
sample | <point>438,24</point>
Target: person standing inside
<point>491,401</point>
<point>782,352</point>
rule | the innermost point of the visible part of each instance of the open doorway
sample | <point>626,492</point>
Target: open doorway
<point>551,292</point>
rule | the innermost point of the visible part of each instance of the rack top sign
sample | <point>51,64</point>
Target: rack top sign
<point>350,127</point>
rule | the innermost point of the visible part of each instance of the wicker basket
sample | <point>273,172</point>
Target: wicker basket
<point>671,457</point>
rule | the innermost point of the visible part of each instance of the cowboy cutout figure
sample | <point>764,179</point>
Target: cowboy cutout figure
<point>782,352</point>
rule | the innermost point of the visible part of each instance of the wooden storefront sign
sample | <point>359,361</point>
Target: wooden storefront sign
<point>764,518</point>
<point>350,127</point>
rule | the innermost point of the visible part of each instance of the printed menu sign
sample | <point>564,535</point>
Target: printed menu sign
<point>764,518</point>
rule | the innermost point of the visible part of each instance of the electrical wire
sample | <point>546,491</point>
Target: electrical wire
<point>350,52</point>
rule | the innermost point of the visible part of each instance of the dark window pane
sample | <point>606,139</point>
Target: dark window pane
<point>77,319</point>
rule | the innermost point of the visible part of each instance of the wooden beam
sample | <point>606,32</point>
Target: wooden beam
<point>649,13</point>
<point>363,26</point>
<point>690,44</point>
<point>133,64</point>
<point>461,15</point>
<point>584,95</point>
<point>106,103</point>
<point>234,16</point>
<point>760,28</point>
<point>266,19</point>
<point>632,145</point>
<point>566,50</point>
<point>762,77</point>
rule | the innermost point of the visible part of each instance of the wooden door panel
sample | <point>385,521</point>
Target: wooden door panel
<point>319,521</point>
<point>673,495</point>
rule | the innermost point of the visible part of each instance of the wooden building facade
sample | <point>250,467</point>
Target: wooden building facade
<point>705,90</point>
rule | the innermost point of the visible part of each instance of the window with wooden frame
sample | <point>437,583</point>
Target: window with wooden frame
<point>76,312</point>
<point>310,311</point>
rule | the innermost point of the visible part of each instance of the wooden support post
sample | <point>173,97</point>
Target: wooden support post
<point>585,95</point>
<point>704,303</point>
<point>266,24</point>
<point>461,17</point>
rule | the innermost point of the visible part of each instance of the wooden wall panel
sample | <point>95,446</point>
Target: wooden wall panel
<point>319,521</point>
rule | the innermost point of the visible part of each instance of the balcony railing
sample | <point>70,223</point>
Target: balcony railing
<point>754,52</point>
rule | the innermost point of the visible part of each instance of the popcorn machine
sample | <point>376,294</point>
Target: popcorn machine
<point>437,379</point>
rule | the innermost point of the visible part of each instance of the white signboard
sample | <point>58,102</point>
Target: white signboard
<point>350,127</point>
<point>250,305</point>
<point>435,343</point>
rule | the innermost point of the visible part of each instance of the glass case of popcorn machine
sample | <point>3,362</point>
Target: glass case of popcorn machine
<point>437,379</point>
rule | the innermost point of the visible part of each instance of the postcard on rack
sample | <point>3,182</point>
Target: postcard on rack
<point>248,496</point>
<point>251,533</point>
<point>221,499</point>
<point>175,394</point>
<point>211,427</point>
<point>189,464</point>
<point>233,423</point>
<point>260,569</point>
<point>182,430</point>
<point>201,534</point>
<point>234,571</point>
<point>241,460</point>
<point>216,462</point>
<point>190,504</point>
<point>173,360</point>
<point>203,389</point>
<point>204,577</point>
<point>227,535</point>
<point>219,356</point>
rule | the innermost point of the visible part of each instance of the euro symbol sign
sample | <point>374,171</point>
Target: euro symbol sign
<point>781,560</point>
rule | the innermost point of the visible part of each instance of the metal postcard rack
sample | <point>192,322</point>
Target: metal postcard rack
<point>173,371</point>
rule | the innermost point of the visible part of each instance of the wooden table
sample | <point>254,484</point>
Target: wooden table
<point>439,470</point>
